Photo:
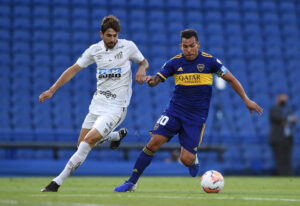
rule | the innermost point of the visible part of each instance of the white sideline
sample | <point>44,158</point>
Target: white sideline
<point>15,202</point>
<point>174,197</point>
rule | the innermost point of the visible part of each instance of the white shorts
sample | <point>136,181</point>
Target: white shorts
<point>105,122</point>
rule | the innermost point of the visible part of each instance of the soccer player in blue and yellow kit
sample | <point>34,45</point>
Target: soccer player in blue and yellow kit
<point>188,109</point>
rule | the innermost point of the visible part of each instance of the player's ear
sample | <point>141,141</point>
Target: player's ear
<point>101,34</point>
<point>180,45</point>
<point>198,44</point>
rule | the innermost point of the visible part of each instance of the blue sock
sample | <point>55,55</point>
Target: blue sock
<point>141,163</point>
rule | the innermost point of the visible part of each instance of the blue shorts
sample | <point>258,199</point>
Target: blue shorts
<point>190,136</point>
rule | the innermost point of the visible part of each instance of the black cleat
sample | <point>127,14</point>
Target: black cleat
<point>115,144</point>
<point>52,187</point>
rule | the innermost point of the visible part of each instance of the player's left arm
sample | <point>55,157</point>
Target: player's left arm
<point>238,88</point>
<point>140,76</point>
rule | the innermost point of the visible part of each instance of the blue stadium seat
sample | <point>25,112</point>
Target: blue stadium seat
<point>137,16</point>
<point>20,34</point>
<point>270,18</point>
<point>231,5</point>
<point>290,31</point>
<point>121,13</point>
<point>21,11</point>
<point>268,6</point>
<point>193,5</point>
<point>5,22</point>
<point>5,34</point>
<point>212,5</point>
<point>253,30</point>
<point>155,5</point>
<point>40,60</point>
<point>79,13</point>
<point>254,52</point>
<point>99,4</point>
<point>194,15</point>
<point>176,16</point>
<point>21,47</point>
<point>60,24</point>
<point>22,59</point>
<point>213,16</point>
<point>118,4</point>
<point>251,17</point>
<point>61,36</point>
<point>41,47</point>
<point>287,6</point>
<point>156,16</point>
<point>174,29</point>
<point>136,4</point>
<point>61,2</point>
<point>235,52</point>
<point>41,24</point>
<point>138,26</point>
<point>249,6</point>
<point>5,46</point>
<point>289,18</point>
<point>41,11</point>
<point>81,36</point>
<point>22,23</point>
<point>5,10</point>
<point>60,12</point>
<point>232,17</point>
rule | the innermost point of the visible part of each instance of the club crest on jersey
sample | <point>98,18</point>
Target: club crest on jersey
<point>200,67</point>
<point>119,55</point>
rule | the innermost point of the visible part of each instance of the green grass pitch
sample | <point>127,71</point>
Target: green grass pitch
<point>152,191</point>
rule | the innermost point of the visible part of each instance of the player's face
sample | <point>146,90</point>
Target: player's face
<point>190,48</point>
<point>110,38</point>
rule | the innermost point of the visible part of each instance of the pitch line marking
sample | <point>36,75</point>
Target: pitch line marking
<point>16,202</point>
<point>174,197</point>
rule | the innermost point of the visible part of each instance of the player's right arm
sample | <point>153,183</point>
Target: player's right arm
<point>64,78</point>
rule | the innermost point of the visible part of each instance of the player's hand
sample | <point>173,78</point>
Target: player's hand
<point>150,81</point>
<point>251,105</point>
<point>45,95</point>
<point>140,76</point>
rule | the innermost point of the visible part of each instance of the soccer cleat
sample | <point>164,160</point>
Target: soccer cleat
<point>193,169</point>
<point>115,144</point>
<point>126,187</point>
<point>52,187</point>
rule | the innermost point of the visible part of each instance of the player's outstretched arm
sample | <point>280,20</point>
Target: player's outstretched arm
<point>238,88</point>
<point>141,73</point>
<point>64,78</point>
<point>153,80</point>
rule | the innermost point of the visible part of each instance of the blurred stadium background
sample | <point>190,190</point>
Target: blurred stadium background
<point>257,40</point>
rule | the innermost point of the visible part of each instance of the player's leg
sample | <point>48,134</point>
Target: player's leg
<point>165,128</point>
<point>144,159</point>
<point>83,133</point>
<point>190,138</point>
<point>115,137</point>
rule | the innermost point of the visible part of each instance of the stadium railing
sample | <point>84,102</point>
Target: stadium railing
<point>125,147</point>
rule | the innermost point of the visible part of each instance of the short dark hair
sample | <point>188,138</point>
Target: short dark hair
<point>110,22</point>
<point>188,33</point>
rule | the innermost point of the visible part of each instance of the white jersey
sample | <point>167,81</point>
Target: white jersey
<point>114,76</point>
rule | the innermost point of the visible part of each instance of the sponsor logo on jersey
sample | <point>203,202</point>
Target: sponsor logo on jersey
<point>200,67</point>
<point>218,60</point>
<point>107,94</point>
<point>109,73</point>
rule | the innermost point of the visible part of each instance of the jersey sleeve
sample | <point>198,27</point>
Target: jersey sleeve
<point>135,54</point>
<point>218,68</point>
<point>166,71</point>
<point>85,59</point>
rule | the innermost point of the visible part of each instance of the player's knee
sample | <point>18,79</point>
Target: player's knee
<point>155,143</point>
<point>187,159</point>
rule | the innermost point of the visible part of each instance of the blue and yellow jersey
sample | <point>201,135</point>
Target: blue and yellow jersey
<point>193,85</point>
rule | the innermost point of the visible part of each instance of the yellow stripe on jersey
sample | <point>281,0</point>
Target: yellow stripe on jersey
<point>177,56</point>
<point>201,136</point>
<point>193,79</point>
<point>162,76</point>
<point>206,54</point>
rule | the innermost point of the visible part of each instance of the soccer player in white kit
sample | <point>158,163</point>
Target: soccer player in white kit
<point>107,110</point>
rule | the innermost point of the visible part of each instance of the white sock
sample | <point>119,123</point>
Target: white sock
<point>113,136</point>
<point>75,161</point>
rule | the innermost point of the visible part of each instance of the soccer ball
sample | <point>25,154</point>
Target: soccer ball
<point>212,181</point>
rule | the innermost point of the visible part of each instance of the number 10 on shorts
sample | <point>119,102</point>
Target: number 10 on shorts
<point>163,120</point>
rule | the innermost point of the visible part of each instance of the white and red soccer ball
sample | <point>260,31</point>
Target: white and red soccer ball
<point>212,181</point>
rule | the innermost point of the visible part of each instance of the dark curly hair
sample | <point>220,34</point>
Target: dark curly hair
<point>188,33</point>
<point>110,22</point>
